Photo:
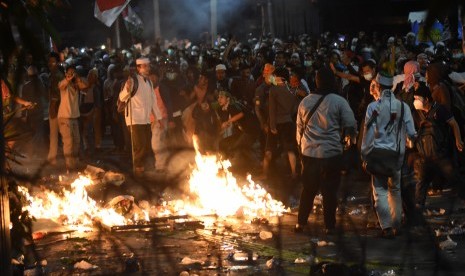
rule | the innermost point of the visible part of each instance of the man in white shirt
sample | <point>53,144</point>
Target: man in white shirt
<point>137,114</point>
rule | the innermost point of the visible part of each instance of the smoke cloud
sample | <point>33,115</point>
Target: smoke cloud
<point>191,18</point>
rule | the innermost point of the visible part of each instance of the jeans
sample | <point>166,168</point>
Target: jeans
<point>159,148</point>
<point>388,201</point>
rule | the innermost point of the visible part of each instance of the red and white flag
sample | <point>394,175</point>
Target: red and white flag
<point>108,10</point>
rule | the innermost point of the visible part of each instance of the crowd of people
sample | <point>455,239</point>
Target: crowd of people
<point>323,102</point>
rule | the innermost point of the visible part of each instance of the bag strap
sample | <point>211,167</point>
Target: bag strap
<point>399,127</point>
<point>310,115</point>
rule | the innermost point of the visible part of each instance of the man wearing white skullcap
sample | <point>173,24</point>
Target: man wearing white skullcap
<point>140,104</point>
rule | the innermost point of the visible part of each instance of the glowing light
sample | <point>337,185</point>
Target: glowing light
<point>213,190</point>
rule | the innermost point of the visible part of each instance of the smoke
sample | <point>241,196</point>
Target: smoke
<point>191,18</point>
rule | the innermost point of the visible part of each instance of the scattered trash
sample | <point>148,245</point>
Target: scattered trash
<point>113,178</point>
<point>94,172</point>
<point>431,213</point>
<point>38,235</point>
<point>308,260</point>
<point>318,200</point>
<point>325,243</point>
<point>189,261</point>
<point>184,273</point>
<point>31,272</point>
<point>445,231</point>
<point>125,205</point>
<point>84,265</point>
<point>355,212</point>
<point>273,264</point>
<point>300,261</point>
<point>448,244</point>
<point>244,256</point>
<point>389,273</point>
<point>265,235</point>
<point>258,221</point>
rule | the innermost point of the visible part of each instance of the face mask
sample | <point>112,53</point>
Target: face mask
<point>171,76</point>
<point>368,76</point>
<point>307,63</point>
<point>418,104</point>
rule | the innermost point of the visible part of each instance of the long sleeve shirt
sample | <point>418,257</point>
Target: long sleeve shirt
<point>377,135</point>
<point>69,104</point>
<point>321,136</point>
<point>281,105</point>
<point>142,104</point>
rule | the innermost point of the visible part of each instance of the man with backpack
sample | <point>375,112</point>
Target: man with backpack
<point>139,102</point>
<point>433,146</point>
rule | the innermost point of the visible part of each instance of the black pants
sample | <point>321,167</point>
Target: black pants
<point>320,174</point>
<point>427,169</point>
<point>141,135</point>
<point>407,187</point>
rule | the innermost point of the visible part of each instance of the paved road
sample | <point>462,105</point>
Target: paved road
<point>234,246</point>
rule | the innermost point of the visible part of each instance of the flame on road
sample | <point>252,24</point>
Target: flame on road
<point>218,192</point>
<point>213,190</point>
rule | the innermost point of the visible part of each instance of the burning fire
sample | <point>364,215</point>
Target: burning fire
<point>73,207</point>
<point>213,190</point>
<point>218,192</point>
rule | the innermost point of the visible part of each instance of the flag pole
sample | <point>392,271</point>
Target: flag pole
<point>156,19</point>
<point>213,20</point>
<point>117,33</point>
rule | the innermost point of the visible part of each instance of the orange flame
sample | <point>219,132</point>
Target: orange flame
<point>213,190</point>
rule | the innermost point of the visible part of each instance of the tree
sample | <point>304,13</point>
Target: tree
<point>18,38</point>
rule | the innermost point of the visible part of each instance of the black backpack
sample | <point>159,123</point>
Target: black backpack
<point>432,141</point>
<point>121,106</point>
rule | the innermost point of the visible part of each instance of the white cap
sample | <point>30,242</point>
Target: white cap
<point>220,67</point>
<point>384,80</point>
<point>142,60</point>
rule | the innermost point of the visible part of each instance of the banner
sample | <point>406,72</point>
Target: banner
<point>108,10</point>
<point>132,22</point>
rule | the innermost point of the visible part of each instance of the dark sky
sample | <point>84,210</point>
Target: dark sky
<point>190,18</point>
<point>179,18</point>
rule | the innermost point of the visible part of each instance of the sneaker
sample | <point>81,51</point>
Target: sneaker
<point>387,233</point>
<point>330,231</point>
<point>299,228</point>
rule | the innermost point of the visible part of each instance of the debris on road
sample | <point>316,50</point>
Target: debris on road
<point>189,261</point>
<point>448,244</point>
<point>265,235</point>
<point>84,265</point>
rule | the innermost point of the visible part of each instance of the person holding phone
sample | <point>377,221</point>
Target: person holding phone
<point>68,115</point>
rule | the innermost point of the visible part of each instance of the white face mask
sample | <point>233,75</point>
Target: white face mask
<point>418,104</point>
<point>171,76</point>
<point>368,76</point>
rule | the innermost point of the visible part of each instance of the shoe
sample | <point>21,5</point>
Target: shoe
<point>298,228</point>
<point>330,231</point>
<point>387,233</point>
<point>397,232</point>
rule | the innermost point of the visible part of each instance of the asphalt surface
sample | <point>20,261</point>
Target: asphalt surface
<point>235,246</point>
